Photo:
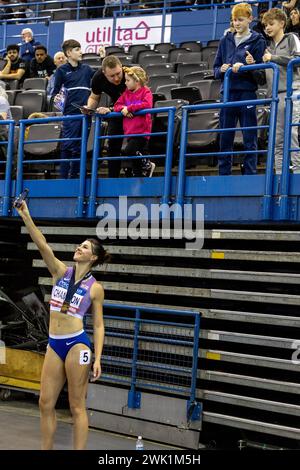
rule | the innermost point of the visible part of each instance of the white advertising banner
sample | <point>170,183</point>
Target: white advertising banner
<point>129,30</point>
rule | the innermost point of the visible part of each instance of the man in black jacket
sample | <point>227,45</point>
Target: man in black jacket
<point>42,66</point>
<point>111,81</point>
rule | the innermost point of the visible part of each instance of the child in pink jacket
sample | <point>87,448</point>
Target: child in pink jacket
<point>136,97</point>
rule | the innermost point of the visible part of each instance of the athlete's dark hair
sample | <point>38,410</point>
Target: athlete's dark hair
<point>99,251</point>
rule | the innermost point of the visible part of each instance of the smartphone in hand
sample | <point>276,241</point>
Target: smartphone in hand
<point>84,109</point>
<point>18,201</point>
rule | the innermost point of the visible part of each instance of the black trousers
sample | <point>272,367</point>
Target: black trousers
<point>131,147</point>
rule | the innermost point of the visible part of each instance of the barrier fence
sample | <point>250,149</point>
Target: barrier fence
<point>168,155</point>
<point>6,160</point>
<point>152,349</point>
<point>88,189</point>
<point>119,7</point>
<point>47,12</point>
<point>287,149</point>
<point>185,132</point>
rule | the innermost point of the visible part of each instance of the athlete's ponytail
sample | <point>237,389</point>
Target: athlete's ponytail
<point>97,249</point>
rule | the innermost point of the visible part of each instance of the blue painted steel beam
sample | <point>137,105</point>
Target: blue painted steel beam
<point>288,117</point>
<point>8,167</point>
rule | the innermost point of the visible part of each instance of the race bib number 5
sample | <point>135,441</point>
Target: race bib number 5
<point>85,357</point>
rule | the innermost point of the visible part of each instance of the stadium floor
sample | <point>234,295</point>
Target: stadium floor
<point>22,431</point>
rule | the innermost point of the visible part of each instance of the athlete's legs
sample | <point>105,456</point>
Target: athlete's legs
<point>77,366</point>
<point>52,381</point>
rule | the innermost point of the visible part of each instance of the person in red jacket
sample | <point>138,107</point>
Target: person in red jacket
<point>136,97</point>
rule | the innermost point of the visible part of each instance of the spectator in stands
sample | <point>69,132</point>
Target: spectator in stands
<point>42,66</point>
<point>233,51</point>
<point>282,49</point>
<point>136,97</point>
<point>15,68</point>
<point>74,79</point>
<point>28,46</point>
<point>59,59</point>
<point>259,27</point>
<point>294,22</point>
<point>6,12</point>
<point>95,8</point>
<point>111,81</point>
<point>289,6</point>
<point>230,29</point>
<point>114,5</point>
<point>5,112</point>
<point>24,11</point>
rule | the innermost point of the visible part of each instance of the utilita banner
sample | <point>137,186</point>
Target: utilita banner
<point>129,30</point>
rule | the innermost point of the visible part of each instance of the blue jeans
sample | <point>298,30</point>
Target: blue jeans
<point>229,117</point>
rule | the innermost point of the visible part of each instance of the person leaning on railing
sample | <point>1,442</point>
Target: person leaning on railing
<point>111,81</point>
<point>282,48</point>
<point>136,97</point>
<point>235,50</point>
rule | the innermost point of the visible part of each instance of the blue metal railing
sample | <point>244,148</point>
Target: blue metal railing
<point>168,156</point>
<point>137,318</point>
<point>273,102</point>
<point>272,127</point>
<point>120,9</point>
<point>97,157</point>
<point>82,159</point>
<point>6,39</point>
<point>287,150</point>
<point>8,162</point>
<point>92,193</point>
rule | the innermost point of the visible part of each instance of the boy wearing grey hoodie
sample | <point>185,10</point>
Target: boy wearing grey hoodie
<point>282,49</point>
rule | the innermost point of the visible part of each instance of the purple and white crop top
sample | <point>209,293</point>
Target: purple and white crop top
<point>79,302</point>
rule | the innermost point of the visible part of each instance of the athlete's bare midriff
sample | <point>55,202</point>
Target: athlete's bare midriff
<point>62,324</point>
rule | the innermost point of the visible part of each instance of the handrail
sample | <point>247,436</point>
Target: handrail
<point>95,159</point>
<point>138,334</point>
<point>6,23</point>
<point>122,6</point>
<point>96,150</point>
<point>83,157</point>
<point>8,165</point>
<point>288,113</point>
<point>266,213</point>
<point>250,68</point>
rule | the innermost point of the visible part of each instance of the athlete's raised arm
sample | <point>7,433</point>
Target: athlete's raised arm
<point>56,267</point>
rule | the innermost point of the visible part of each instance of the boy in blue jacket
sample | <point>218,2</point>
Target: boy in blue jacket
<point>72,85</point>
<point>236,49</point>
